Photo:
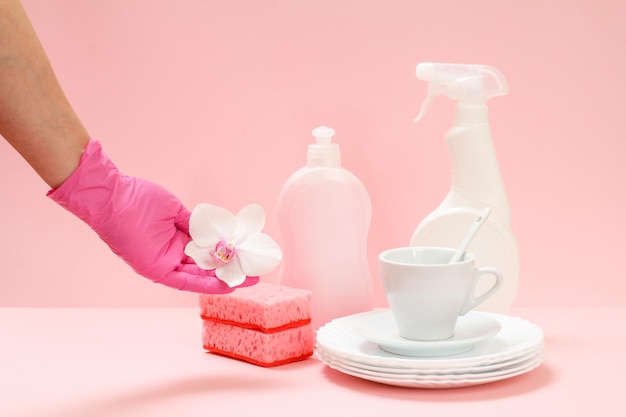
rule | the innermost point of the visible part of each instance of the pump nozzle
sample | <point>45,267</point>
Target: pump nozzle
<point>323,152</point>
<point>323,134</point>
<point>461,82</point>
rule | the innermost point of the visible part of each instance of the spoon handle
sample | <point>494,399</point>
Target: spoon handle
<point>470,235</point>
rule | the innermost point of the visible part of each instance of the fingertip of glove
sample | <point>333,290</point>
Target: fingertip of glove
<point>202,284</point>
<point>182,219</point>
<point>250,281</point>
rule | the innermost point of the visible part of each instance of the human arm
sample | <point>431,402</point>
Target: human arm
<point>141,222</point>
<point>35,116</point>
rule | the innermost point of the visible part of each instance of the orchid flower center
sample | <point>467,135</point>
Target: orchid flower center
<point>224,251</point>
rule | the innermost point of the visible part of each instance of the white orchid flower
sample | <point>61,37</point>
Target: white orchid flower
<point>232,245</point>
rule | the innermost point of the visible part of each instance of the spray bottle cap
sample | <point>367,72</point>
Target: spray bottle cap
<point>323,152</point>
<point>461,82</point>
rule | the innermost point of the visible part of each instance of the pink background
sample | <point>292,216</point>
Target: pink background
<point>216,100</point>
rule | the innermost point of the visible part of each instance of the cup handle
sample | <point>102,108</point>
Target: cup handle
<point>471,301</point>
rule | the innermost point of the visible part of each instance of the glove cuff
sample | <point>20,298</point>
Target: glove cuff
<point>87,191</point>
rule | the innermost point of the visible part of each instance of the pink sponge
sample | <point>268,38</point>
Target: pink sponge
<point>265,324</point>
<point>264,349</point>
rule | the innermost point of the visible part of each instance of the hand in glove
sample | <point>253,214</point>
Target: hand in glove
<point>144,224</point>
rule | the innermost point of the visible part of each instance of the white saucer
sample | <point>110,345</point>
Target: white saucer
<point>471,329</point>
<point>516,349</point>
<point>435,381</point>
<point>448,373</point>
<point>517,338</point>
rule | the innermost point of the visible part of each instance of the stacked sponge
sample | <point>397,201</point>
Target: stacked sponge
<point>265,324</point>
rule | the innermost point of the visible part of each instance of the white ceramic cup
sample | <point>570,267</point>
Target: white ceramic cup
<point>427,294</point>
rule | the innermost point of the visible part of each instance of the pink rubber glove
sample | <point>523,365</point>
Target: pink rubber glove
<point>144,224</point>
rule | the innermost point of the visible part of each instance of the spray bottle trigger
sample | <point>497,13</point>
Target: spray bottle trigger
<point>434,89</point>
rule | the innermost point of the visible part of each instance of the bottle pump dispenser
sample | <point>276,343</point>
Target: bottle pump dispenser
<point>325,212</point>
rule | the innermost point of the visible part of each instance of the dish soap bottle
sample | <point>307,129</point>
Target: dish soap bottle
<point>324,216</point>
<point>476,179</point>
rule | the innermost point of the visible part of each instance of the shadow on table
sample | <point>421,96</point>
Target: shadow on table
<point>521,384</point>
<point>145,399</point>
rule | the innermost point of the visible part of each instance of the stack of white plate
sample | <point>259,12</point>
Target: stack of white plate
<point>486,347</point>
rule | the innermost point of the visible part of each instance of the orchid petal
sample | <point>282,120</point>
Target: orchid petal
<point>231,274</point>
<point>258,255</point>
<point>250,219</point>
<point>201,256</point>
<point>233,247</point>
<point>209,224</point>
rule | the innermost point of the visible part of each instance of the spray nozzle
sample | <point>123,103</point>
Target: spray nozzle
<point>461,82</point>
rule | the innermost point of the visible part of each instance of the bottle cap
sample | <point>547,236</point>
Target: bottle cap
<point>323,152</point>
<point>323,135</point>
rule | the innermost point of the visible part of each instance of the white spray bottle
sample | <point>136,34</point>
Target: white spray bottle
<point>476,179</point>
<point>324,215</point>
